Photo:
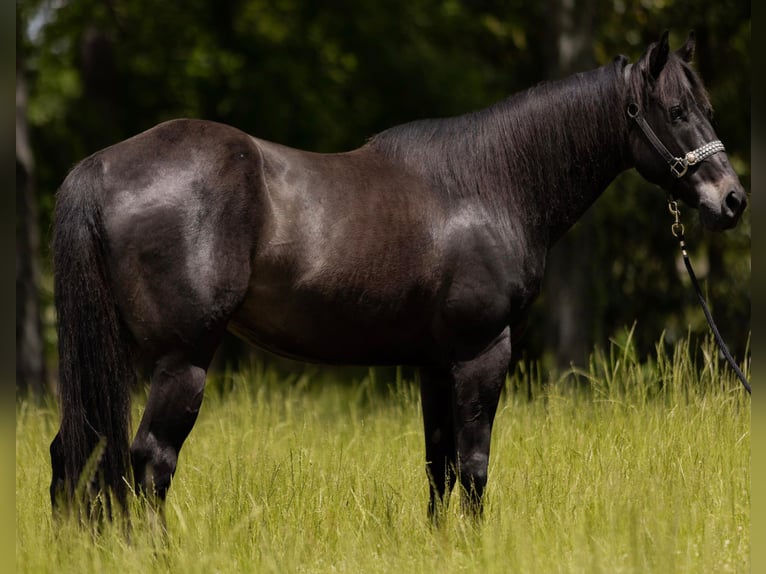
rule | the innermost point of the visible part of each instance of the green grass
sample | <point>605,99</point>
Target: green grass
<point>624,467</point>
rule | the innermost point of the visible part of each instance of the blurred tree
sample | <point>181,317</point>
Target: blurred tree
<point>569,311</point>
<point>30,359</point>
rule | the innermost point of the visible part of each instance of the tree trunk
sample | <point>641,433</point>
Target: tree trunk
<point>568,314</point>
<point>30,355</point>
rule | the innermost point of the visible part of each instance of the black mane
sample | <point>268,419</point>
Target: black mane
<point>548,140</point>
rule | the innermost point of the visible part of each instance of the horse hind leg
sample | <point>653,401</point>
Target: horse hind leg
<point>175,397</point>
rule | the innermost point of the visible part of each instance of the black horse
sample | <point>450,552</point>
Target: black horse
<point>424,247</point>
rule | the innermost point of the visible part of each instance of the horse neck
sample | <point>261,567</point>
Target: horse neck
<point>566,141</point>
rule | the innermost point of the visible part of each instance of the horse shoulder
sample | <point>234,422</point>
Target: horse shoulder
<point>491,275</point>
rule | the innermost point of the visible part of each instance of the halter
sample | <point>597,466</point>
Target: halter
<point>678,165</point>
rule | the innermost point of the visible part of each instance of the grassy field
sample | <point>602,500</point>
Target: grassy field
<point>636,467</point>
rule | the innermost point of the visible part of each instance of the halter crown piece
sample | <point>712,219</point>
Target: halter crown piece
<point>678,165</point>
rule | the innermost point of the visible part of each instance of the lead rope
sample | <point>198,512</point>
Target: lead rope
<point>678,232</point>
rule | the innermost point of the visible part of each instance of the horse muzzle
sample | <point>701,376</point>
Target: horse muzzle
<point>721,206</point>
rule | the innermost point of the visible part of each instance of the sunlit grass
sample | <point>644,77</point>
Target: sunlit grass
<point>627,466</point>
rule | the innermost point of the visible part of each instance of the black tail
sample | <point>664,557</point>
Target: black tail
<point>96,370</point>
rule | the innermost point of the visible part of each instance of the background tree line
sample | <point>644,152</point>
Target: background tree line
<point>325,76</point>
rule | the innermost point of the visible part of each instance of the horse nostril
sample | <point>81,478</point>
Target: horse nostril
<point>735,201</point>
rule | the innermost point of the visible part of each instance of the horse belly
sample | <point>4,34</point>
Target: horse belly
<point>346,327</point>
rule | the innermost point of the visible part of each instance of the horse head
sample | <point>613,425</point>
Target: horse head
<point>672,141</point>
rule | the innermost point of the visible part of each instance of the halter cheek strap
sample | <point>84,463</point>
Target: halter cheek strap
<point>678,165</point>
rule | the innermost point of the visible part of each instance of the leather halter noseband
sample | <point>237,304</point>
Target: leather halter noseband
<point>678,165</point>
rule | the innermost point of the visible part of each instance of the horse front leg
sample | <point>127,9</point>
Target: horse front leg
<point>477,386</point>
<point>438,423</point>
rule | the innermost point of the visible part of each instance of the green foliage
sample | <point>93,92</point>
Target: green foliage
<point>326,76</point>
<point>629,467</point>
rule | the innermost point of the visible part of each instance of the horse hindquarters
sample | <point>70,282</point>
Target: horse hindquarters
<point>459,407</point>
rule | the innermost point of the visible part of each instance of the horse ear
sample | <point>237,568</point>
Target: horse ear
<point>658,55</point>
<point>686,52</point>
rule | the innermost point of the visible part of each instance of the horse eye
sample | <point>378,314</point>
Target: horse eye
<point>676,113</point>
